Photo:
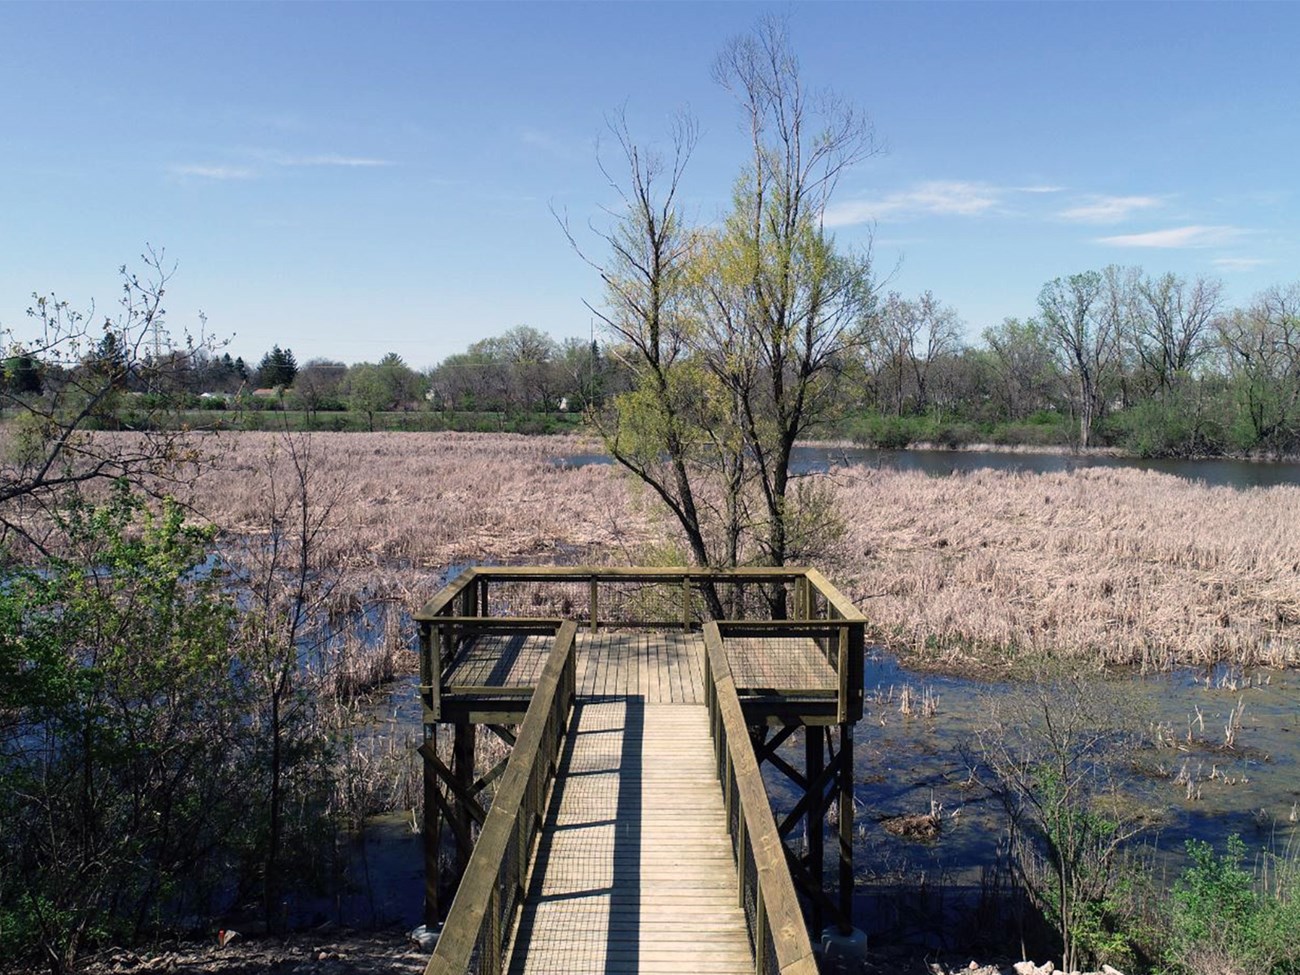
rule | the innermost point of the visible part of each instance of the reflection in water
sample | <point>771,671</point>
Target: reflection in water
<point>1229,473</point>
<point>1183,777</point>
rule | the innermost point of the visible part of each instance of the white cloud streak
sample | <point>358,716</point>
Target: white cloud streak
<point>1240,263</point>
<point>935,198</point>
<point>1179,238</point>
<point>202,171</point>
<point>1109,209</point>
<point>331,159</point>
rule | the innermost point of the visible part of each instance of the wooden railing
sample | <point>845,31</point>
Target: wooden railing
<point>776,926</point>
<point>479,926</point>
<point>650,597</point>
<point>523,600</point>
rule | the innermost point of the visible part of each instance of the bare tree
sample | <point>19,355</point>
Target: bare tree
<point>733,335</point>
<point>79,374</point>
<point>1262,345</point>
<point>803,303</point>
<point>650,430</point>
<point>1173,319</point>
<point>287,578</point>
<point>1051,754</point>
<point>1084,331</point>
<point>910,336</point>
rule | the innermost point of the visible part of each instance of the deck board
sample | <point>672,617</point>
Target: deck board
<point>634,871</point>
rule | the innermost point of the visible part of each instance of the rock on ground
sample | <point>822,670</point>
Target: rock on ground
<point>1017,968</point>
<point>336,953</point>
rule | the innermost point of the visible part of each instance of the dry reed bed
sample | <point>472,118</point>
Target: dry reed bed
<point>409,506</point>
<point>1124,566</point>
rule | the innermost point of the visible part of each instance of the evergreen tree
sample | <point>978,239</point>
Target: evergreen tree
<point>277,368</point>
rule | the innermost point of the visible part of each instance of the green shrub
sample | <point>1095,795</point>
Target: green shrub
<point>1227,918</point>
<point>1171,428</point>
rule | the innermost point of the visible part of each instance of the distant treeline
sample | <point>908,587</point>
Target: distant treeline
<point>1154,365</point>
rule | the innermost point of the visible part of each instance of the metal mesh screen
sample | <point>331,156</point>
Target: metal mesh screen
<point>632,602</point>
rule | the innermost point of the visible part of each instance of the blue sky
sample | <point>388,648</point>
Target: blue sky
<point>353,179</point>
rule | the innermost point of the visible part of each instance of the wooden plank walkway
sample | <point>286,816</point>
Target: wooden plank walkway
<point>634,871</point>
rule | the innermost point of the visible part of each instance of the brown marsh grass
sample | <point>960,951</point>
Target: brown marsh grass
<point>1115,565</point>
<point>413,505</point>
<point>982,569</point>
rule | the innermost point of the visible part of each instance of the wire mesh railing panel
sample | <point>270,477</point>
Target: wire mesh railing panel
<point>793,663</point>
<point>565,598</point>
<point>744,599</point>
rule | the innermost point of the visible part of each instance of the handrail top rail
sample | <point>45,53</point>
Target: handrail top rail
<point>590,573</point>
<point>460,931</point>
<point>790,940</point>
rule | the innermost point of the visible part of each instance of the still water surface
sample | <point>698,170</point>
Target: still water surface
<point>1221,472</point>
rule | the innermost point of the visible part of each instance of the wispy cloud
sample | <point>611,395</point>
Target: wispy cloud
<point>1240,263</point>
<point>559,147</point>
<point>935,198</point>
<point>1109,209</point>
<point>1039,189</point>
<point>1192,236</point>
<point>261,161</point>
<point>202,171</point>
<point>331,159</point>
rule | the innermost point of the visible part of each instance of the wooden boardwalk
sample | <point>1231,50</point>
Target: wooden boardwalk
<point>634,870</point>
<point>630,829</point>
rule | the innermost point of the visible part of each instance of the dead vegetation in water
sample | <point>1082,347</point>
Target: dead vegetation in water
<point>1120,566</point>
<point>414,505</point>
<point>1124,567</point>
<point>922,827</point>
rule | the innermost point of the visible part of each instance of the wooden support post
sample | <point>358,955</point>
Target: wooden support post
<point>431,670</point>
<point>594,607</point>
<point>686,603</point>
<point>432,831</point>
<point>463,770</point>
<point>845,760</point>
<point>814,756</point>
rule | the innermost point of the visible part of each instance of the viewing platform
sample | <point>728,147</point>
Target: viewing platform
<point>629,828</point>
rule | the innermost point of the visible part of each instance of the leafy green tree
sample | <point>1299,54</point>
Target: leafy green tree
<point>405,386</point>
<point>1024,367</point>
<point>22,374</point>
<point>734,336</point>
<point>121,770</point>
<point>1228,919</point>
<point>369,392</point>
<point>1262,347</point>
